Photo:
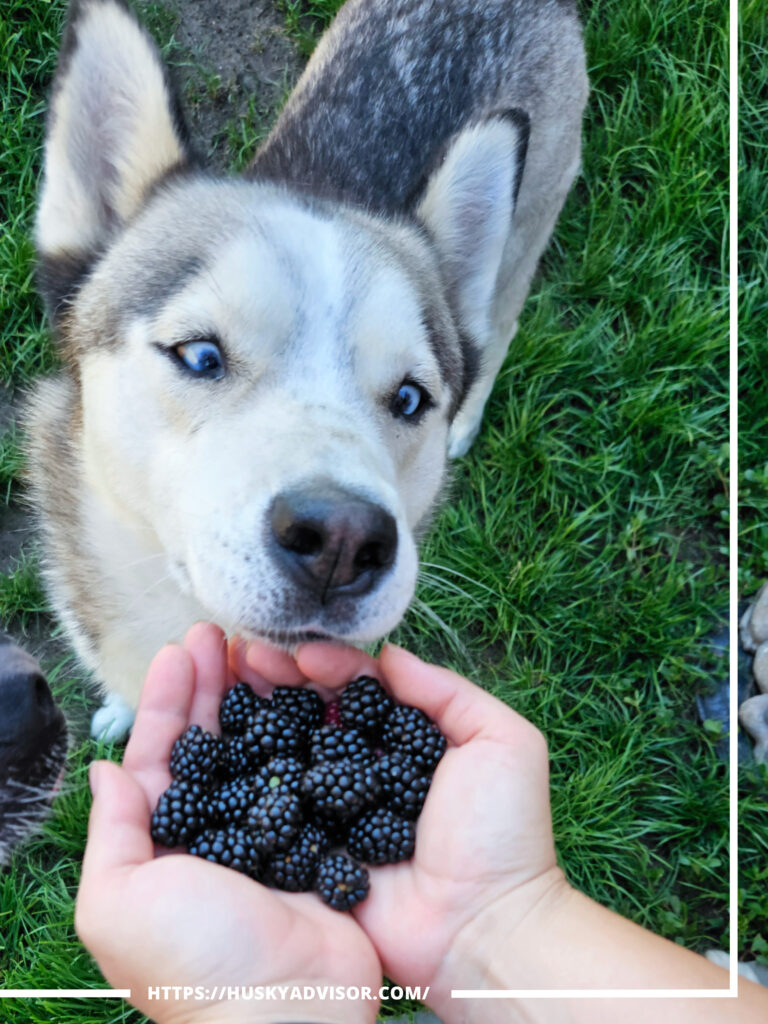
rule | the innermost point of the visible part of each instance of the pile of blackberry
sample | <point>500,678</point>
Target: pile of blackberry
<point>291,782</point>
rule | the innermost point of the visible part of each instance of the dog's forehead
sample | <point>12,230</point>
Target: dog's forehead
<point>296,241</point>
<point>265,268</point>
<point>289,265</point>
<point>253,257</point>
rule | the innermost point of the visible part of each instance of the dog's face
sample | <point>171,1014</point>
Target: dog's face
<point>33,741</point>
<point>270,399</point>
<point>266,380</point>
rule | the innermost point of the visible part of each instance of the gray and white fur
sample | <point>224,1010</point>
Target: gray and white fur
<point>33,745</point>
<point>265,377</point>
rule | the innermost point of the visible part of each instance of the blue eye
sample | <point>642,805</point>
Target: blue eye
<point>410,399</point>
<point>203,358</point>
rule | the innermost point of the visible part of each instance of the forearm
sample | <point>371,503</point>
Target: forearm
<point>567,941</point>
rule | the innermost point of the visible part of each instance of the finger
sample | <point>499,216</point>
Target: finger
<point>460,709</point>
<point>262,665</point>
<point>334,665</point>
<point>162,716</point>
<point>118,828</point>
<point>207,646</point>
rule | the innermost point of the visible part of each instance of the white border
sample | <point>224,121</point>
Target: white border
<point>733,974</point>
<point>595,993</point>
<point>732,990</point>
<point>65,993</point>
<point>733,472</point>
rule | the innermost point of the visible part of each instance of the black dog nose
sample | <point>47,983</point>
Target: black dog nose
<point>329,539</point>
<point>26,705</point>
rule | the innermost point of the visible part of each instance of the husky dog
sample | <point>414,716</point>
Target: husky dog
<point>265,377</point>
<point>33,744</point>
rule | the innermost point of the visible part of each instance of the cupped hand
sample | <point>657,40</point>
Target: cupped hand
<point>484,845</point>
<point>157,919</point>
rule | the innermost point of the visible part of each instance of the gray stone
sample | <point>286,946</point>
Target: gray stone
<point>751,970</point>
<point>753,628</point>
<point>753,716</point>
<point>760,667</point>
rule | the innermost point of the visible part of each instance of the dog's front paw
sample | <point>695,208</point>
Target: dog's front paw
<point>462,434</point>
<point>113,721</point>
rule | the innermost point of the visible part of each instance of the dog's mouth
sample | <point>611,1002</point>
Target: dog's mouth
<point>289,639</point>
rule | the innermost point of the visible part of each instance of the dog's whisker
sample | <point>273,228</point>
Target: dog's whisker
<point>423,610</point>
<point>154,585</point>
<point>144,561</point>
<point>455,572</point>
<point>427,580</point>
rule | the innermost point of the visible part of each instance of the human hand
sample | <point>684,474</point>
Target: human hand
<point>482,904</point>
<point>155,919</point>
<point>484,848</point>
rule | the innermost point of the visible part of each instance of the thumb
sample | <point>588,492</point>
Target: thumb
<point>118,829</point>
<point>461,710</point>
<point>118,840</point>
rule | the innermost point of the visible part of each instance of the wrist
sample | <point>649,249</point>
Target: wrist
<point>549,936</point>
<point>501,947</point>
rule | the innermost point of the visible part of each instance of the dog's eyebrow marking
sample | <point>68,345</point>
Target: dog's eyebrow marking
<point>447,363</point>
<point>161,282</point>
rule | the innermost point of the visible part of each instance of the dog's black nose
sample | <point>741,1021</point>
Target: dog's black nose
<point>330,539</point>
<point>26,705</point>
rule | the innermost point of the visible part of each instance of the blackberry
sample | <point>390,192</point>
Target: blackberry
<point>230,802</point>
<point>340,882</point>
<point>275,819</point>
<point>403,787</point>
<point>237,708</point>
<point>294,869</point>
<point>409,730</point>
<point>338,790</point>
<point>231,847</point>
<point>381,837</point>
<point>303,705</point>
<point>280,771</point>
<point>197,755</point>
<point>335,829</point>
<point>182,811</point>
<point>273,733</point>
<point>331,744</point>
<point>238,757</point>
<point>364,705</point>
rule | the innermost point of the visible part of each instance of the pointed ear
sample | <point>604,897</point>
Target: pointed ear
<point>114,128</point>
<point>467,208</point>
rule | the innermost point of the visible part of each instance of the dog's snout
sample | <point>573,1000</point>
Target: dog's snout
<point>26,705</point>
<point>330,539</point>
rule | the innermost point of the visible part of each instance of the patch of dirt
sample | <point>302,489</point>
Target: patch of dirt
<point>242,66</point>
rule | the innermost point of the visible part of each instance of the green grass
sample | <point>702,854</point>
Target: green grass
<point>21,593</point>
<point>305,20</point>
<point>753,430</point>
<point>11,462</point>
<point>580,564</point>
<point>29,36</point>
<point>753,301</point>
